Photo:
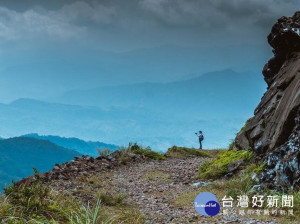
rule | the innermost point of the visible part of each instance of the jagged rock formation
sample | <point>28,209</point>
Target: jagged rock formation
<point>274,131</point>
<point>285,39</point>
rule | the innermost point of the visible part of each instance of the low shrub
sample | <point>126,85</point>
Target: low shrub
<point>147,152</point>
<point>183,152</point>
<point>104,152</point>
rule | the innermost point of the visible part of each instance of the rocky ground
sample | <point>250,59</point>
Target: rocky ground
<point>162,191</point>
<point>158,187</point>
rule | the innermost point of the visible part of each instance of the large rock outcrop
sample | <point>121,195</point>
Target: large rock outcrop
<point>274,131</point>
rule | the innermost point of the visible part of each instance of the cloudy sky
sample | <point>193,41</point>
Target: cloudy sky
<point>48,47</point>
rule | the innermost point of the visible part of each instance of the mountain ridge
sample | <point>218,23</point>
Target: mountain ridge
<point>18,155</point>
<point>79,145</point>
<point>207,81</point>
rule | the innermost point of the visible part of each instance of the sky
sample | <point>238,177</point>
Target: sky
<point>50,47</point>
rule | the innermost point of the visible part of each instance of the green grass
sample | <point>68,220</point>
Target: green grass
<point>110,199</point>
<point>89,215</point>
<point>31,201</point>
<point>183,152</point>
<point>219,166</point>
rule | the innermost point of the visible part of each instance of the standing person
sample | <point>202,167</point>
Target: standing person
<point>201,138</point>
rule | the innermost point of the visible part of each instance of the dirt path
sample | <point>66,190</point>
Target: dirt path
<point>163,192</point>
<point>154,186</point>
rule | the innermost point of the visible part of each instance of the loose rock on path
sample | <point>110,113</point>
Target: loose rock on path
<point>154,186</point>
<point>162,191</point>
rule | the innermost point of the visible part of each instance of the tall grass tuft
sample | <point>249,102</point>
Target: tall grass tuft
<point>89,215</point>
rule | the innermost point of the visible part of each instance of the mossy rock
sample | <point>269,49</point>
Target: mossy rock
<point>219,166</point>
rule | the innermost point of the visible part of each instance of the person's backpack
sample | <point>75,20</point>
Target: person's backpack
<point>201,137</point>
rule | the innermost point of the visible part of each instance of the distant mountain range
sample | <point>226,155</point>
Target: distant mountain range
<point>83,147</point>
<point>20,154</point>
<point>159,64</point>
<point>159,115</point>
<point>202,96</point>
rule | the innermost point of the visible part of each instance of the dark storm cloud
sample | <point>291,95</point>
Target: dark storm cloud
<point>218,13</point>
<point>262,13</point>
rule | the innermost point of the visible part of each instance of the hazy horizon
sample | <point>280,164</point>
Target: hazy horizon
<point>152,114</point>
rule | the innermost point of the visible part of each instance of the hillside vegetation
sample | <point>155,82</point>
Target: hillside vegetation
<point>18,156</point>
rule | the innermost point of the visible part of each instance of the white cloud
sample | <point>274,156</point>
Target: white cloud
<point>80,10</point>
<point>64,23</point>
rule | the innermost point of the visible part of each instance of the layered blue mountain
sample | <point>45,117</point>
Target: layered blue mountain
<point>63,70</point>
<point>155,114</point>
<point>202,96</point>
<point>81,146</point>
<point>20,154</point>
